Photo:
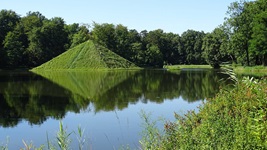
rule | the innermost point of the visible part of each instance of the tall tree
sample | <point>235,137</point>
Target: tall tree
<point>240,19</point>
<point>32,20</point>
<point>8,21</point>
<point>215,47</point>
<point>47,41</point>
<point>71,29</point>
<point>14,45</point>
<point>32,24</point>
<point>104,34</point>
<point>258,43</point>
<point>81,36</point>
<point>192,46</point>
<point>122,41</point>
<point>170,48</point>
<point>135,47</point>
<point>34,50</point>
<point>138,52</point>
<point>54,38</point>
<point>153,56</point>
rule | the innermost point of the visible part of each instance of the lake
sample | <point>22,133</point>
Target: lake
<point>107,105</point>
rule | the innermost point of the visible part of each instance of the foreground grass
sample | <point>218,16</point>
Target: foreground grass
<point>235,119</point>
<point>178,67</point>
<point>62,141</point>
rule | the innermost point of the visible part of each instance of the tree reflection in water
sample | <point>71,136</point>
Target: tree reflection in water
<point>35,98</point>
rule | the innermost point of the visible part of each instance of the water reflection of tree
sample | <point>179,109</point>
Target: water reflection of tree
<point>35,98</point>
<point>157,86</point>
<point>195,85</point>
<point>32,98</point>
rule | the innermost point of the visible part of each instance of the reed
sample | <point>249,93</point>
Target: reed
<point>63,139</point>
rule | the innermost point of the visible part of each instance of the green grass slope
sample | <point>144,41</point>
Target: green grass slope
<point>85,56</point>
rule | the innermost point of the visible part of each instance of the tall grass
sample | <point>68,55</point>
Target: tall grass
<point>80,137</point>
<point>5,146</point>
<point>63,139</point>
<point>151,136</point>
<point>235,119</point>
<point>62,142</point>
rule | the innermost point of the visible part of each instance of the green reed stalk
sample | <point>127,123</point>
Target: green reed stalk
<point>63,139</point>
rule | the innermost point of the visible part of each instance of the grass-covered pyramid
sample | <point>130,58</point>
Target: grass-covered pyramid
<point>85,56</point>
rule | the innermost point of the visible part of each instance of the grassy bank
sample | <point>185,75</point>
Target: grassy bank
<point>255,70</point>
<point>242,70</point>
<point>178,67</point>
<point>235,119</point>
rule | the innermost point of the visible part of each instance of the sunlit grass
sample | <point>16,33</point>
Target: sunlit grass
<point>178,67</point>
<point>87,56</point>
<point>255,70</point>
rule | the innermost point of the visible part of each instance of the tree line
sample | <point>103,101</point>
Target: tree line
<point>241,39</point>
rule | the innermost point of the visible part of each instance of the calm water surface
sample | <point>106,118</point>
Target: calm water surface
<point>106,104</point>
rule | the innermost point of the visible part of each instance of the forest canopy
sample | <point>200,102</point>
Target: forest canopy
<point>31,40</point>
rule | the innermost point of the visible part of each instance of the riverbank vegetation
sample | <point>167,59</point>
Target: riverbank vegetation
<point>32,40</point>
<point>233,119</point>
<point>178,67</point>
<point>255,70</point>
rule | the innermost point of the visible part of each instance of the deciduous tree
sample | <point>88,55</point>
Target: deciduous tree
<point>8,21</point>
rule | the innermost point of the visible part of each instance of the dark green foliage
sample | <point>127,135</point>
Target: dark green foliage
<point>247,23</point>
<point>104,34</point>
<point>258,42</point>
<point>240,18</point>
<point>192,47</point>
<point>47,41</point>
<point>163,46</point>
<point>81,36</point>
<point>215,46</point>
<point>8,21</point>
<point>14,47</point>
<point>34,40</point>
<point>153,56</point>
<point>53,39</point>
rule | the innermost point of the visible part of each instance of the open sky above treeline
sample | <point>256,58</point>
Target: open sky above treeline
<point>174,16</point>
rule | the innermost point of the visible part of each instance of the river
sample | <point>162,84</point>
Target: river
<point>107,105</point>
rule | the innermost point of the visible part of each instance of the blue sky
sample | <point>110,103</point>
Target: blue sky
<point>174,16</point>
